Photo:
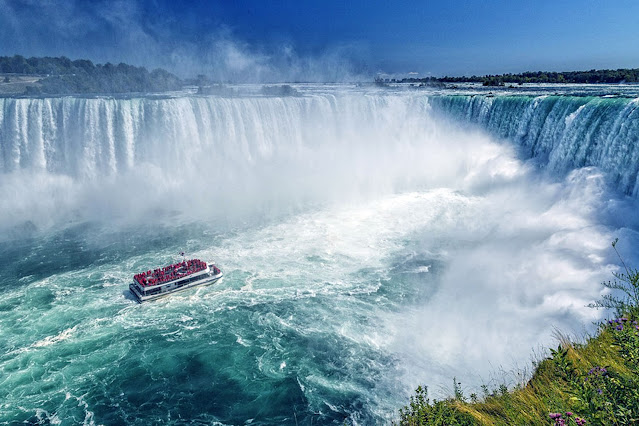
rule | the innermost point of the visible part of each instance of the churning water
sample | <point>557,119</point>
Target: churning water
<point>372,240</point>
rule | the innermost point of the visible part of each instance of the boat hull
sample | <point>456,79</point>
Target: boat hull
<point>206,280</point>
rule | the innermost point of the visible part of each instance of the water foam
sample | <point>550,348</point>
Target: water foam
<point>563,132</point>
<point>367,245</point>
<point>131,159</point>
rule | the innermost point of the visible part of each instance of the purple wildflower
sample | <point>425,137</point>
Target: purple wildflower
<point>555,415</point>
<point>568,413</point>
<point>597,371</point>
<point>599,391</point>
<point>619,327</point>
<point>580,421</point>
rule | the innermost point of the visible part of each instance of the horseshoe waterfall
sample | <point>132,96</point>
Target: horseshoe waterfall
<point>371,239</point>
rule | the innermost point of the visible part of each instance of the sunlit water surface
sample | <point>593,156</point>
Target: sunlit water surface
<point>369,243</point>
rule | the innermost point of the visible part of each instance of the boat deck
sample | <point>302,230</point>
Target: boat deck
<point>170,273</point>
<point>160,282</point>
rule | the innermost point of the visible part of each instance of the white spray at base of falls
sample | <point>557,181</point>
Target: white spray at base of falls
<point>85,159</point>
<point>372,246</point>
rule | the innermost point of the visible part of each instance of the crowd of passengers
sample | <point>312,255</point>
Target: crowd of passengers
<point>169,273</point>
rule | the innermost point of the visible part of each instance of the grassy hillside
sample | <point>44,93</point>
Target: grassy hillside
<point>594,383</point>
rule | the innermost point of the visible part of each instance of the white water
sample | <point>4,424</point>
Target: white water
<point>105,158</point>
<point>563,132</point>
<point>369,245</point>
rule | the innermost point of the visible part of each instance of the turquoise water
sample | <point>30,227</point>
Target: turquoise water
<point>369,245</point>
<point>270,342</point>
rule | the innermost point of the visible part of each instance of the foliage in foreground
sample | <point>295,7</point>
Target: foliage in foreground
<point>596,383</point>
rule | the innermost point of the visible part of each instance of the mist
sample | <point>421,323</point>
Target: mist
<point>122,31</point>
<point>223,158</point>
<point>231,160</point>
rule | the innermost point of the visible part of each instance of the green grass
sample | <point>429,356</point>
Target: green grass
<point>592,383</point>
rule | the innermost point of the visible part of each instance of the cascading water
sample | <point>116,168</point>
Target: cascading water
<point>369,245</point>
<point>564,132</point>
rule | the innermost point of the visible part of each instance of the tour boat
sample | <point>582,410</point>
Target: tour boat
<point>170,279</point>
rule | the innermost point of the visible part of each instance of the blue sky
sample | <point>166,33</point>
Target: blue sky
<point>329,39</point>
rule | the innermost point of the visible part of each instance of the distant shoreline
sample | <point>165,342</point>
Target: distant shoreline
<point>35,76</point>
<point>47,76</point>
<point>622,75</point>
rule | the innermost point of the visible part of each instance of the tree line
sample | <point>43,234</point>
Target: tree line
<point>61,75</point>
<point>622,75</point>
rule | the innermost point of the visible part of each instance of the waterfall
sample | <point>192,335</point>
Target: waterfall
<point>562,132</point>
<point>88,138</point>
<point>98,155</point>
